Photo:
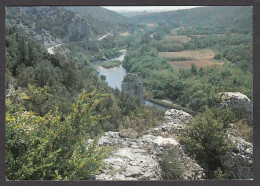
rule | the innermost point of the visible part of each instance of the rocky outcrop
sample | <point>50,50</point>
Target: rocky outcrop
<point>79,30</point>
<point>174,121</point>
<point>239,162</point>
<point>241,105</point>
<point>139,159</point>
<point>133,85</point>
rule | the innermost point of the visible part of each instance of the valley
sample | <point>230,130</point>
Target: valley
<point>89,90</point>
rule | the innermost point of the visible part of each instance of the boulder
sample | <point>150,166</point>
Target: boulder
<point>174,121</point>
<point>241,105</point>
<point>130,164</point>
<point>239,163</point>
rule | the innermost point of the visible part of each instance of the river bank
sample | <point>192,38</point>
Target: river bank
<point>115,76</point>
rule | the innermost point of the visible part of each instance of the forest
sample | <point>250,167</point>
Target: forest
<point>58,105</point>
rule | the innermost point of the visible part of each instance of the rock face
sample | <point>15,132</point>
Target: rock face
<point>239,163</point>
<point>174,121</point>
<point>138,159</point>
<point>79,30</point>
<point>133,85</point>
<point>240,104</point>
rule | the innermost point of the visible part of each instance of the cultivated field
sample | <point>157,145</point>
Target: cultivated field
<point>207,35</point>
<point>180,38</point>
<point>197,63</point>
<point>188,55</point>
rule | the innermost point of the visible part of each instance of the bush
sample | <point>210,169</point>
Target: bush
<point>171,166</point>
<point>206,139</point>
<point>52,147</point>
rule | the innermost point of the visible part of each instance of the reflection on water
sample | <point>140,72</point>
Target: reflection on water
<point>151,104</point>
<point>115,76</point>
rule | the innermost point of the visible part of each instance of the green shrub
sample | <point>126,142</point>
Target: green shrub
<point>206,139</point>
<point>171,166</point>
<point>111,64</point>
<point>52,147</point>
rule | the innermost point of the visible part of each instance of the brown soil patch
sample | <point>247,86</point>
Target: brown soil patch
<point>124,34</point>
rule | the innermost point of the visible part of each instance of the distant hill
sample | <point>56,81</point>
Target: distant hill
<point>110,18</point>
<point>99,13</point>
<point>228,17</point>
<point>53,25</point>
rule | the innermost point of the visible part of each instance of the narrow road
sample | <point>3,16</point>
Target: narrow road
<point>50,50</point>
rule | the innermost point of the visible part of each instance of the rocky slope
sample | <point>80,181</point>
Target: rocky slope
<point>139,159</point>
<point>54,25</point>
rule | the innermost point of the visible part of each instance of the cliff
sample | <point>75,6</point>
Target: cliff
<point>133,84</point>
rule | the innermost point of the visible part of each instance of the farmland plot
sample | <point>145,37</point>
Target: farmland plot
<point>207,35</point>
<point>188,55</point>
<point>197,63</point>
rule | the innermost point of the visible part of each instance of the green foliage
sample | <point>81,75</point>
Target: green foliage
<point>206,139</point>
<point>189,88</point>
<point>142,119</point>
<point>218,55</point>
<point>111,64</point>
<point>236,48</point>
<point>169,46</point>
<point>52,147</point>
<point>171,166</point>
<point>205,20</point>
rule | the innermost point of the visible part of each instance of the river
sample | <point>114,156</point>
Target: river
<point>115,76</point>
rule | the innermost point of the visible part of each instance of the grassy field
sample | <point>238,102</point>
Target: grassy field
<point>188,55</point>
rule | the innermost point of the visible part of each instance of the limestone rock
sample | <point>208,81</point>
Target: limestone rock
<point>239,162</point>
<point>173,114</point>
<point>139,159</point>
<point>240,104</point>
<point>174,121</point>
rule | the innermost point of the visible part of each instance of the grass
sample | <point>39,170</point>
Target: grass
<point>111,64</point>
<point>172,106</point>
<point>171,166</point>
<point>244,130</point>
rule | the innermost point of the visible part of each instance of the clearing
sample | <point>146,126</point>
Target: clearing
<point>124,34</point>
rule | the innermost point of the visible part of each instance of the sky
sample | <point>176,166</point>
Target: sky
<point>146,8</point>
